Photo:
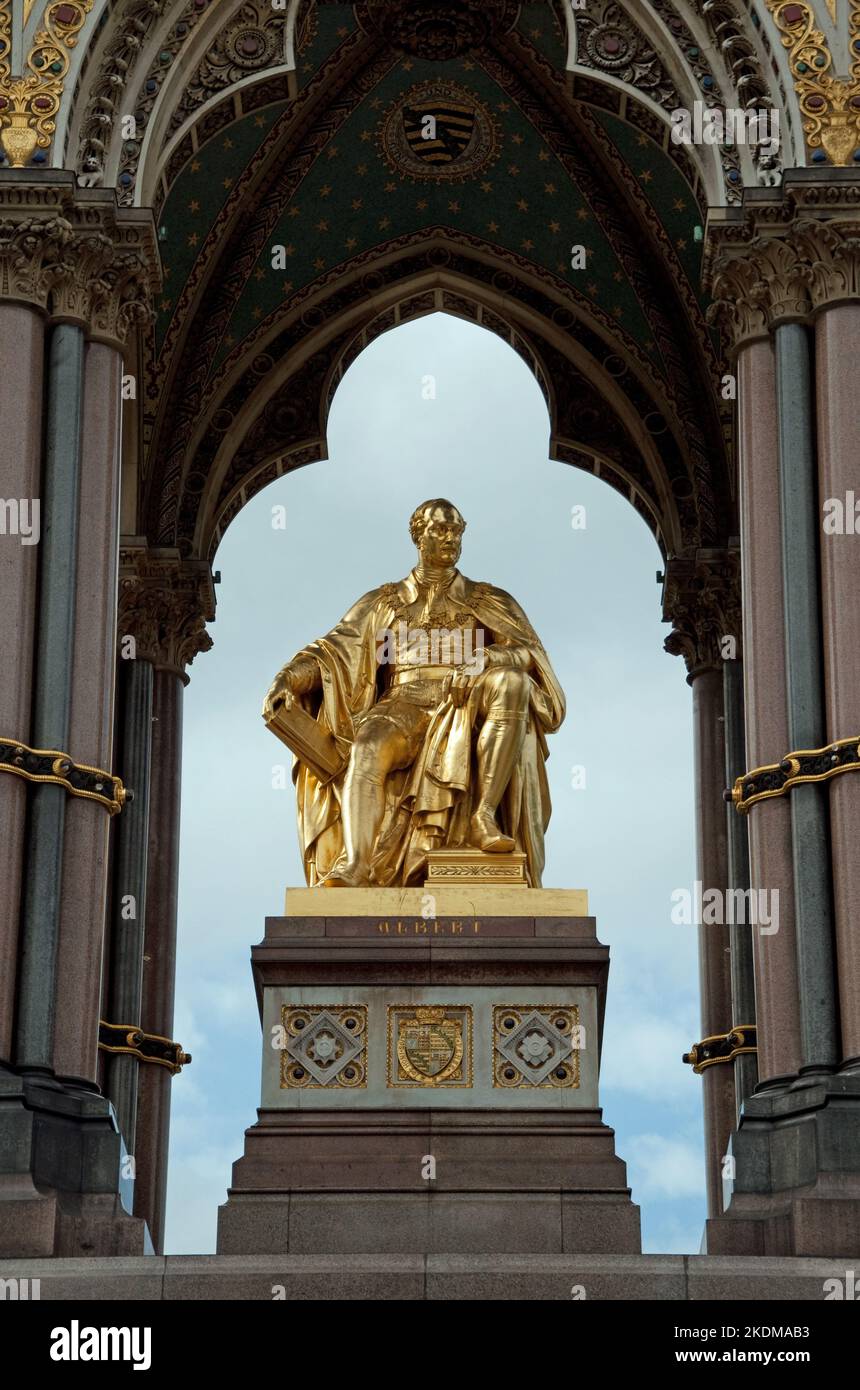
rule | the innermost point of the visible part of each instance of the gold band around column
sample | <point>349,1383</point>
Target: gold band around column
<point>146,1047</point>
<point>805,765</point>
<point>722,1047</point>
<point>50,765</point>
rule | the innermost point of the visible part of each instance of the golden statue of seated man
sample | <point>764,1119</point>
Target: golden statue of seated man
<point>438,696</point>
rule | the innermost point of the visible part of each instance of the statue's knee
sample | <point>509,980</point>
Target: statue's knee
<point>370,751</point>
<point>511,686</point>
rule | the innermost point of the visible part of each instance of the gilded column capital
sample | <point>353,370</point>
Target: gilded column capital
<point>164,605</point>
<point>76,255</point>
<point>702,601</point>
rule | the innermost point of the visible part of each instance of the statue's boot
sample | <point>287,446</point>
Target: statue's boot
<point>499,744</point>
<point>362,809</point>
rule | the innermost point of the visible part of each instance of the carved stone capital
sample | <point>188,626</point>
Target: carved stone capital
<point>785,255</point>
<point>76,256</point>
<point>702,601</point>
<point>164,604</point>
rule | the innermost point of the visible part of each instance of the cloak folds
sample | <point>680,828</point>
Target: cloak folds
<point>427,805</point>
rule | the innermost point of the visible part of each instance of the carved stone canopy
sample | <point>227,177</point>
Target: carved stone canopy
<point>75,255</point>
<point>164,604</point>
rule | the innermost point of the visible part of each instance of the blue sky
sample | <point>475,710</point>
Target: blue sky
<point>627,835</point>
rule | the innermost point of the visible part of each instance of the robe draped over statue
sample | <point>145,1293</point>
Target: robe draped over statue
<point>427,805</point>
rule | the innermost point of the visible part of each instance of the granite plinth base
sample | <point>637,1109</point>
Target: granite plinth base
<point>430,1084</point>
<point>797,1161</point>
<point>62,1190</point>
<point>329,1182</point>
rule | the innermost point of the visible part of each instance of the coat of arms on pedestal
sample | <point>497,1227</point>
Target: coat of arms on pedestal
<point>429,1046</point>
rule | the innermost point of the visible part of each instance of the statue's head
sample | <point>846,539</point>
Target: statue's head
<point>437,529</point>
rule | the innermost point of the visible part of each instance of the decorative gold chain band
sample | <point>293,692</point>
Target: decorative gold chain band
<point>806,765</point>
<point>722,1047</point>
<point>146,1047</point>
<point>49,765</point>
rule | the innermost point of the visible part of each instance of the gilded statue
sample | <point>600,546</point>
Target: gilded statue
<point>419,722</point>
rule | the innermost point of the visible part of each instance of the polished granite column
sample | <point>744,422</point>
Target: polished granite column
<point>21,386</point>
<point>837,344</point>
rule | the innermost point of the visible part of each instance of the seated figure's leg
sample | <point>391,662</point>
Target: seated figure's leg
<point>379,748</point>
<point>504,703</point>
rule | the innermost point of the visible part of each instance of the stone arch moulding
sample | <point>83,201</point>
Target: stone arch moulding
<point>596,400</point>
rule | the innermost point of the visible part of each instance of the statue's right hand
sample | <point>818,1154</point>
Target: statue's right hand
<point>280,692</point>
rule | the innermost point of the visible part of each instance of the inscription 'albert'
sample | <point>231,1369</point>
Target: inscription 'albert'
<point>429,928</point>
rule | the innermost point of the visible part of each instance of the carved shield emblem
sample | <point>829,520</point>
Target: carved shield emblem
<point>430,1046</point>
<point>438,131</point>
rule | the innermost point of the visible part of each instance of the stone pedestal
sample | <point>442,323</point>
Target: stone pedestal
<point>430,1084</point>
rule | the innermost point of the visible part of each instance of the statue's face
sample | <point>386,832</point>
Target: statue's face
<point>442,539</point>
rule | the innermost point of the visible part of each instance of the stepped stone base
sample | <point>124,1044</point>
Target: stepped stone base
<point>435,1278</point>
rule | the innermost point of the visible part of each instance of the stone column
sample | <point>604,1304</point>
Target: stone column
<point>837,334</point>
<point>92,268</point>
<point>90,735</point>
<point>37,1012</point>
<point>738,279</point>
<point>740,933</point>
<point>701,598</point>
<point>21,384</point>
<point>164,604</point>
<point>810,836</point>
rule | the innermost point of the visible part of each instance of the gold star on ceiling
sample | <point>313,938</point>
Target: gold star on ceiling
<point>366,135</point>
<point>486,186</point>
<point>165,304</point>
<point>592,289</point>
<point>356,204</point>
<point>228,144</point>
<point>322,225</point>
<point>259,120</point>
<point>350,243</point>
<point>550,188</point>
<point>391,187</point>
<point>325,190</point>
<point>257,312</point>
<point>319,263</point>
<point>288,287</point>
<point>421,204</point>
<point>492,226</point>
<point>194,206</point>
<point>193,239</point>
<point>517,138</point>
<point>513,169</point>
<point>543,156</point>
<point>555,226</point>
<point>259,273</point>
<point>527,244</point>
<point>454,206</point>
<point>332,152</point>
<point>384,222</point>
<point>289,250</point>
<point>195,166</point>
<point>361,170</point>
<point>583,214</point>
<point>522,205</point>
<point>293,211</point>
<point>646,176</point>
<point>228,183</point>
<point>679,205</point>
